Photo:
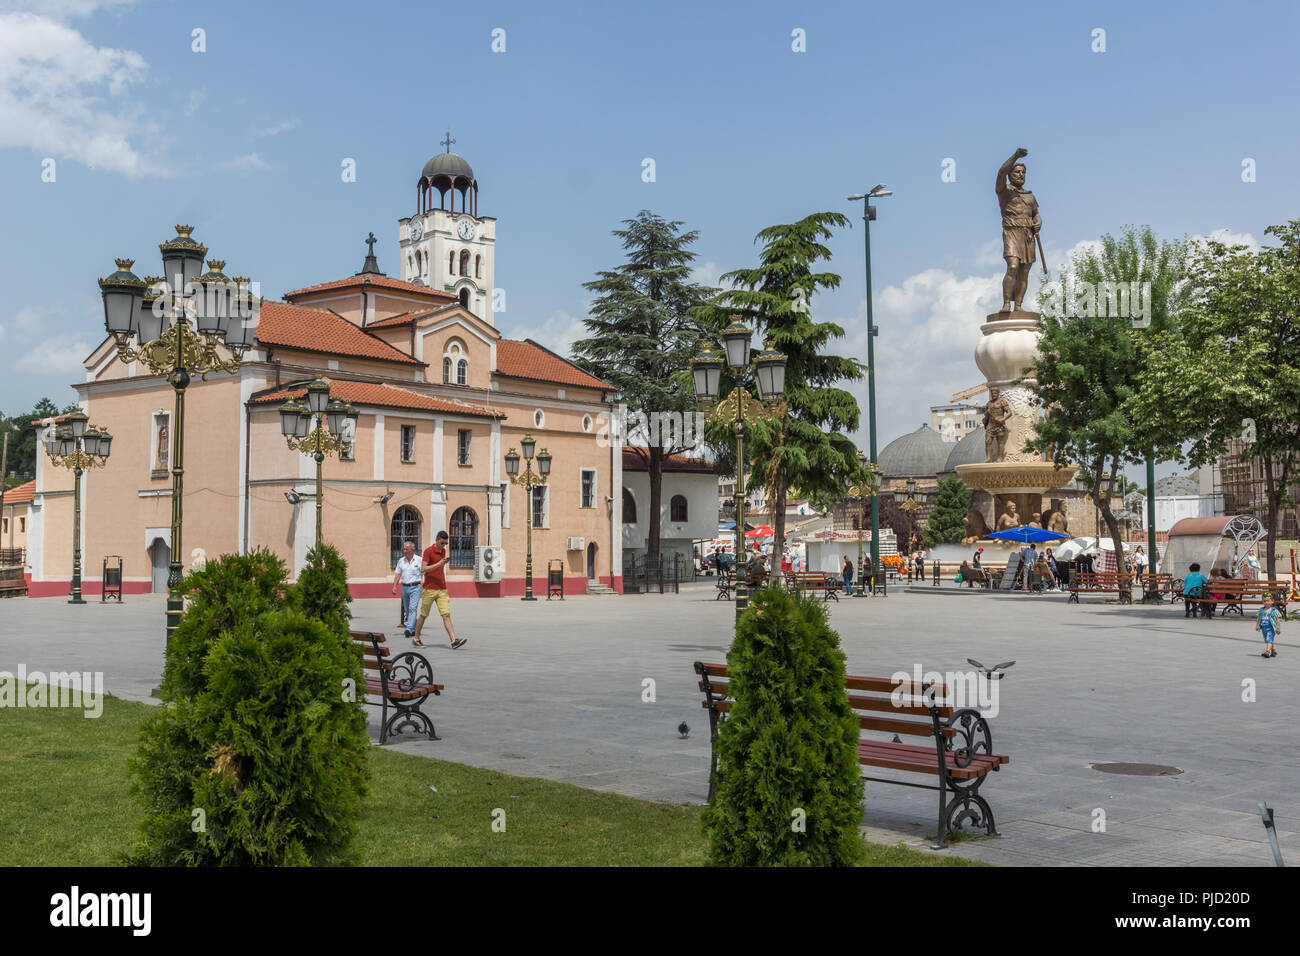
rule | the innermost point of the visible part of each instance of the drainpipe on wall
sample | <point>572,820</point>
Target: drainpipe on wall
<point>248,460</point>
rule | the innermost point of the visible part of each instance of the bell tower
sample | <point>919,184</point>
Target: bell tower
<point>449,247</point>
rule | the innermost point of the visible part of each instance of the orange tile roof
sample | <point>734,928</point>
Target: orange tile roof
<point>21,494</point>
<point>406,318</point>
<point>529,360</point>
<point>383,395</point>
<point>313,330</point>
<point>634,460</point>
<point>377,281</point>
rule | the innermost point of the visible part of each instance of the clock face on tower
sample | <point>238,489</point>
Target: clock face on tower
<point>465,229</point>
<point>417,228</point>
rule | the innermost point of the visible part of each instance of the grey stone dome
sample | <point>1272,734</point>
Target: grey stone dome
<point>449,167</point>
<point>969,450</point>
<point>920,454</point>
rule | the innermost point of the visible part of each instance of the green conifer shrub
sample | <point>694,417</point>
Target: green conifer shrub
<point>790,743</point>
<point>259,730</point>
<point>323,590</point>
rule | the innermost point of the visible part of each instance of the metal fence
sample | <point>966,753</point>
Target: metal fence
<point>643,577</point>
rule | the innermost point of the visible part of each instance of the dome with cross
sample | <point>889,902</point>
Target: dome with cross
<point>448,173</point>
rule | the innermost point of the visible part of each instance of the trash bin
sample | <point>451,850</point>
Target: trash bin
<point>111,586</point>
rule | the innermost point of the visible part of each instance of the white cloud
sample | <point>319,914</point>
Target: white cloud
<point>63,9</point>
<point>195,101</point>
<point>60,355</point>
<point>1227,238</point>
<point>558,332</point>
<point>53,89</point>
<point>246,163</point>
<point>282,127</point>
<point>707,273</point>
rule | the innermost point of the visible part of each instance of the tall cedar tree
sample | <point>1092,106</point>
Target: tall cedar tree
<point>1232,369</point>
<point>1090,366</point>
<point>643,334</point>
<point>22,437</point>
<point>947,520</point>
<point>810,449</point>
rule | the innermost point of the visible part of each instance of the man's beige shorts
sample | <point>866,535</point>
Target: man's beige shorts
<point>428,597</point>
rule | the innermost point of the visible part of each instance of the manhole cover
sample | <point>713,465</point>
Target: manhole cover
<point>1137,769</point>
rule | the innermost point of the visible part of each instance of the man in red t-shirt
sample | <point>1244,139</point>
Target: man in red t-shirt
<point>432,562</point>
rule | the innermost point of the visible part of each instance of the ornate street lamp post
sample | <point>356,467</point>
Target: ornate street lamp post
<point>739,410</point>
<point>528,481</point>
<point>296,426</point>
<point>77,447</point>
<point>180,325</point>
<point>914,503</point>
<point>866,488</point>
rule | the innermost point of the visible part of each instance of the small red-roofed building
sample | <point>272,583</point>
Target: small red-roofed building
<point>441,398</point>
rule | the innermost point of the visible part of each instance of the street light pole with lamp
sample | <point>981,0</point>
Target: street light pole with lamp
<point>868,214</point>
<point>77,447</point>
<point>739,410</point>
<point>296,426</point>
<point>528,481</point>
<point>914,503</point>
<point>156,315</point>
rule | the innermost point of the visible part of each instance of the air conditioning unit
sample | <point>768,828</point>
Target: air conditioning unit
<point>575,544</point>
<point>489,564</point>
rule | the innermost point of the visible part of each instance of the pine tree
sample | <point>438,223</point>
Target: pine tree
<point>643,334</point>
<point>947,520</point>
<point>790,744</point>
<point>809,449</point>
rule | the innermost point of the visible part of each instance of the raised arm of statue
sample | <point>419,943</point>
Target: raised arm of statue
<point>1005,169</point>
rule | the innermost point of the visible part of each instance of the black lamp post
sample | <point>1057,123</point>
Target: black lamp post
<point>326,438</point>
<point>528,481</point>
<point>76,446</point>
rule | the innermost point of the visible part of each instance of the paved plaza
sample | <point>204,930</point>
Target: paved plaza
<point>555,690</point>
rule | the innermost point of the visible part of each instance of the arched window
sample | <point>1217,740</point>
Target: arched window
<point>478,267</point>
<point>677,508</point>
<point>463,531</point>
<point>405,527</point>
<point>455,367</point>
<point>464,262</point>
<point>464,298</point>
<point>539,418</point>
<point>629,507</point>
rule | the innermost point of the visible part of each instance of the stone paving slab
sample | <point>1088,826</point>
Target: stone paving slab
<point>554,690</point>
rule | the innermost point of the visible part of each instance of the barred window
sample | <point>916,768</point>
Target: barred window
<point>463,534</point>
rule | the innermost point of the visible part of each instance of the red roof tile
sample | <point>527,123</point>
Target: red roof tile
<point>312,330</point>
<point>633,460</point>
<point>406,318</point>
<point>385,396</point>
<point>21,494</point>
<point>374,281</point>
<point>529,360</point>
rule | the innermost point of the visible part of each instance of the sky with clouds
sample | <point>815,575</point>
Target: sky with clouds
<point>245,139</point>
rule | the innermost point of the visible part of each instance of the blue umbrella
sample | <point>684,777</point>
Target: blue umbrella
<point>1028,535</point>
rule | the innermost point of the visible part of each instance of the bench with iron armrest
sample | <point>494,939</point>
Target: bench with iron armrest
<point>400,683</point>
<point>822,582</point>
<point>1098,581</point>
<point>727,585</point>
<point>1240,591</point>
<point>960,754</point>
<point>1158,585</point>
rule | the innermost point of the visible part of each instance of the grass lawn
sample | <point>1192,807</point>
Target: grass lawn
<point>64,800</point>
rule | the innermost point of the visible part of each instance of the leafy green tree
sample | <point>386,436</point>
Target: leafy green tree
<point>947,519</point>
<point>22,437</point>
<point>643,332</point>
<point>1090,366</point>
<point>258,755</point>
<point>809,449</point>
<point>790,743</point>
<point>1230,376</point>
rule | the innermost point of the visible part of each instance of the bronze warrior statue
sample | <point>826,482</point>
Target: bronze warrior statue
<point>996,413</point>
<point>1020,225</point>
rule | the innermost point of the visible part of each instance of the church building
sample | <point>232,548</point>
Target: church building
<point>441,395</point>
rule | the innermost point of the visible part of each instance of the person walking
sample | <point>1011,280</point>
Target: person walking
<point>1269,623</point>
<point>407,576</point>
<point>847,573</point>
<point>434,560</point>
<point>1252,563</point>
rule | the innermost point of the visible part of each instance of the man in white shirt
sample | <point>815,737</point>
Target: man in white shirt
<point>407,574</point>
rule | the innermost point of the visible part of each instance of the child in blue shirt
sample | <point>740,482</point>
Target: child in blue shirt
<point>1194,580</point>
<point>1269,624</point>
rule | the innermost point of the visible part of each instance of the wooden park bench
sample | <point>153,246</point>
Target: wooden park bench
<point>1159,585</point>
<point>726,585</point>
<point>1100,581</point>
<point>401,683</point>
<point>1241,591</point>
<point>822,582</point>
<point>961,754</point>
